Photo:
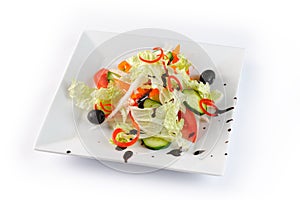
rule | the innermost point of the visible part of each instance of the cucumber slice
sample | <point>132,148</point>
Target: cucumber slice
<point>156,143</point>
<point>192,102</point>
<point>112,75</point>
<point>170,56</point>
<point>149,103</point>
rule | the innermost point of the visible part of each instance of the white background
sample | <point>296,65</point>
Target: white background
<point>37,39</point>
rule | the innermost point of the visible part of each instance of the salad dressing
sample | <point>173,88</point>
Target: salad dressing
<point>176,152</point>
<point>127,155</point>
<point>120,148</point>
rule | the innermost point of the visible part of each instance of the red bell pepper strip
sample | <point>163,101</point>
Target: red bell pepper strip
<point>119,130</point>
<point>171,89</point>
<point>210,103</point>
<point>103,108</point>
<point>156,59</point>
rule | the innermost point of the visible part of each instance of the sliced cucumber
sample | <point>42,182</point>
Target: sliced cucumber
<point>149,103</point>
<point>156,143</point>
<point>192,102</point>
<point>112,75</point>
<point>170,56</point>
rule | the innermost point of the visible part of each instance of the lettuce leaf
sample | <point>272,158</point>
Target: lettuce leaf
<point>85,97</point>
<point>171,123</point>
<point>182,63</point>
<point>201,88</point>
<point>81,94</point>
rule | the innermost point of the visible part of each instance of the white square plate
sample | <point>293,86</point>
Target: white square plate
<point>59,133</point>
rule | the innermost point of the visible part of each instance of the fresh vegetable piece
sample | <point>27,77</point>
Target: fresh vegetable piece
<point>105,105</point>
<point>171,122</point>
<point>156,143</point>
<point>155,60</point>
<point>170,87</point>
<point>139,95</point>
<point>169,57</point>
<point>189,130</point>
<point>177,49</point>
<point>201,88</point>
<point>96,116</point>
<point>119,130</point>
<point>208,76</point>
<point>140,102</point>
<point>192,101</point>
<point>209,103</point>
<point>154,94</point>
<point>112,75</point>
<point>175,58</point>
<point>181,63</point>
<point>85,97</point>
<point>175,53</point>
<point>124,66</point>
<point>100,78</point>
<point>149,121</point>
<point>149,103</point>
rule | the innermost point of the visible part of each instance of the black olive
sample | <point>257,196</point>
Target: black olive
<point>208,76</point>
<point>96,116</point>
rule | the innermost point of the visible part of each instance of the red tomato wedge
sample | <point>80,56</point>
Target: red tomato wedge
<point>100,78</point>
<point>189,130</point>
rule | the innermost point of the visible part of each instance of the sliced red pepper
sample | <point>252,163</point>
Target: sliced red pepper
<point>119,130</point>
<point>155,60</point>
<point>210,103</point>
<point>103,108</point>
<point>175,58</point>
<point>171,89</point>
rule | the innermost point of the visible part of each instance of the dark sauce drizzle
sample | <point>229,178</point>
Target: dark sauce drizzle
<point>223,111</point>
<point>229,120</point>
<point>154,113</point>
<point>198,152</point>
<point>127,155</point>
<point>176,152</point>
<point>120,148</point>
<point>164,79</point>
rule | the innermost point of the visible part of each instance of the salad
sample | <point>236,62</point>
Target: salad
<point>152,97</point>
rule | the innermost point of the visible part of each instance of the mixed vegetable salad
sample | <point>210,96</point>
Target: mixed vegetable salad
<point>151,97</point>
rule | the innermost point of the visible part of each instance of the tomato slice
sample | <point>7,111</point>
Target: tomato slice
<point>100,78</point>
<point>189,130</point>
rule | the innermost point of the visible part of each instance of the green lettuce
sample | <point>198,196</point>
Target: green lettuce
<point>182,63</point>
<point>201,88</point>
<point>171,123</point>
<point>85,97</point>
